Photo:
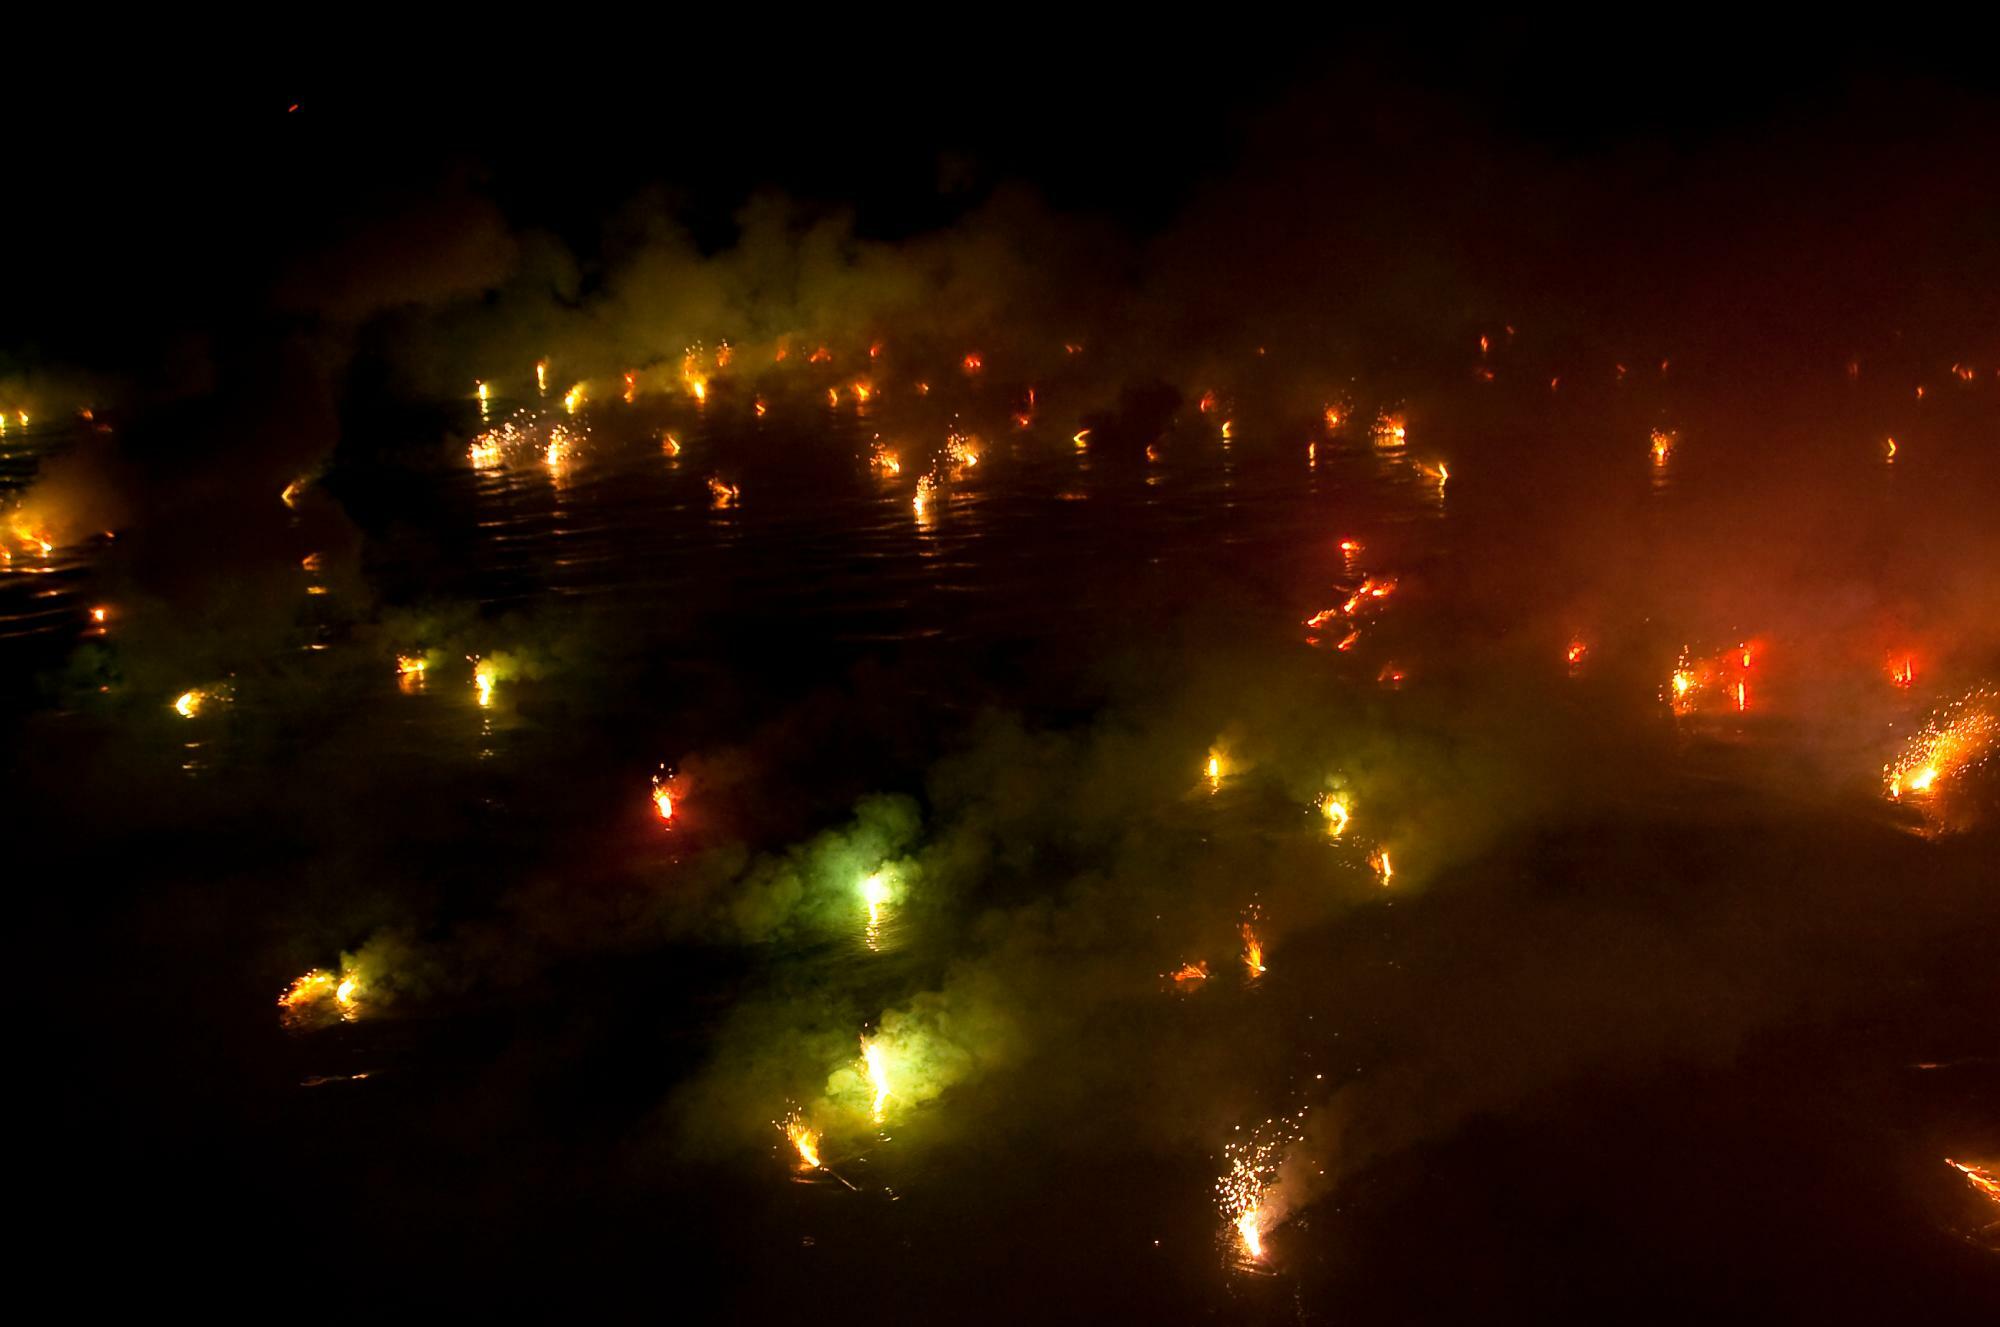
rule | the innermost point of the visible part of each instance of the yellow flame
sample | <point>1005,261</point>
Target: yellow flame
<point>573,399</point>
<point>1979,1177</point>
<point>484,675</point>
<point>1214,771</point>
<point>189,703</point>
<point>875,1063</point>
<point>542,376</point>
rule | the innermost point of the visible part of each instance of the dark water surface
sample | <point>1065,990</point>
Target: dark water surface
<point>1659,1015</point>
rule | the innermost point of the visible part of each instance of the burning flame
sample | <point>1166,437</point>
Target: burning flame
<point>484,674</point>
<point>1214,771</point>
<point>1191,972</point>
<point>1903,674</point>
<point>1574,655</point>
<point>926,491</point>
<point>1082,439</point>
<point>1390,431</point>
<point>542,376</point>
<point>1892,450</point>
<point>410,671</point>
<point>1663,444</point>
<point>721,495</point>
<point>573,399</point>
<point>189,703</point>
<point>670,444</point>
<point>1379,859</point>
<point>289,495</point>
<point>663,799</point>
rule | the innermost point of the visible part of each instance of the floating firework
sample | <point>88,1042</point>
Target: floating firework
<point>319,998</point>
<point>1981,1178</point>
<point>962,451</point>
<point>884,460</point>
<point>189,703</point>
<point>875,1068</point>
<point>1253,951</point>
<point>1379,862</point>
<point>803,1138</point>
<point>484,674</point>
<point>1903,672</point>
<point>722,495</point>
<point>1215,770</point>
<point>1334,808</point>
<point>573,399</point>
<point>875,896</point>
<point>1244,1189</point>
<point>410,670</point>
<point>1575,653</point>
<point>1958,739</point>
<point>1663,443</point>
<point>1188,973</point>
<point>1390,431</point>
<point>663,797</point>
<point>542,377</point>
<point>926,494</point>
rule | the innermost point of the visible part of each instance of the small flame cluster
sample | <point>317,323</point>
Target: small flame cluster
<point>1725,673</point>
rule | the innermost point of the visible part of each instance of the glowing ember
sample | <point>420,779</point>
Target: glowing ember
<point>1891,444</point>
<point>1390,431</point>
<point>98,614</point>
<point>410,671</point>
<point>290,495</point>
<point>1574,655</point>
<point>874,1063</point>
<point>1335,810</point>
<point>1082,439</point>
<point>1957,739</point>
<point>189,703</point>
